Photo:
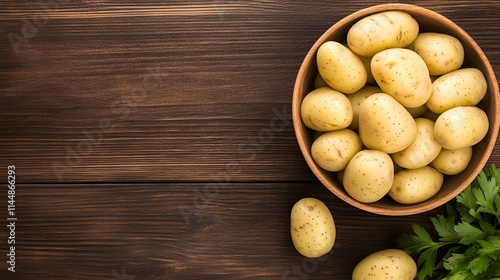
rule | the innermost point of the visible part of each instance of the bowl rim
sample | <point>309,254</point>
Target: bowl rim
<point>300,129</point>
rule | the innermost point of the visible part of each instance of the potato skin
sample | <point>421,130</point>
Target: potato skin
<point>422,151</point>
<point>369,176</point>
<point>385,125</point>
<point>402,74</point>
<point>325,109</point>
<point>452,162</point>
<point>340,68</point>
<point>356,99</point>
<point>416,185</point>
<point>461,127</point>
<point>386,264</point>
<point>377,32</point>
<point>312,228</point>
<point>442,53</point>
<point>333,150</point>
<point>464,87</point>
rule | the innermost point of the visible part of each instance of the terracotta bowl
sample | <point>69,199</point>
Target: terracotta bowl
<point>429,21</point>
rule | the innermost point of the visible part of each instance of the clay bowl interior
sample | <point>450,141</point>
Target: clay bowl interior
<point>429,21</point>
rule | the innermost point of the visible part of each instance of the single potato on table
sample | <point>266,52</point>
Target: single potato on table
<point>325,109</point>
<point>464,87</point>
<point>416,185</point>
<point>374,33</point>
<point>385,125</point>
<point>384,265</point>
<point>369,176</point>
<point>461,127</point>
<point>402,74</point>
<point>340,68</point>
<point>452,162</point>
<point>312,228</point>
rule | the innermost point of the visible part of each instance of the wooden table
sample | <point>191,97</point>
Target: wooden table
<point>153,140</point>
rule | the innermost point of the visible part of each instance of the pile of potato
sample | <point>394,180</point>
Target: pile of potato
<point>394,110</point>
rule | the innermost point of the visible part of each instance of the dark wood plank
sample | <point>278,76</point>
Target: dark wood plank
<point>217,74</point>
<point>224,231</point>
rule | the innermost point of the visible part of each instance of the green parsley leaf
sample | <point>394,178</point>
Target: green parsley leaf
<point>444,227</point>
<point>479,264</point>
<point>497,205</point>
<point>494,270</point>
<point>457,262</point>
<point>488,187</point>
<point>427,261</point>
<point>488,228</point>
<point>491,249</point>
<point>409,245</point>
<point>467,198</point>
<point>423,236</point>
<point>495,173</point>
<point>469,233</point>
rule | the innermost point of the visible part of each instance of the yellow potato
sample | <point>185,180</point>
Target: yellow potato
<point>416,185</point>
<point>369,176</point>
<point>464,87</point>
<point>442,53</point>
<point>402,73</point>
<point>325,109</point>
<point>356,99</point>
<point>423,150</point>
<point>319,82</point>
<point>333,150</point>
<point>366,62</point>
<point>385,125</point>
<point>386,264</point>
<point>374,33</point>
<point>461,127</point>
<point>340,67</point>
<point>451,162</point>
<point>312,228</point>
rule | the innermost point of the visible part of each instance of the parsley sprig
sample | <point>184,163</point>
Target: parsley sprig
<point>468,247</point>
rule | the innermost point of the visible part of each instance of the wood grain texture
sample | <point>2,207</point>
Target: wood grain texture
<point>216,72</point>
<point>120,116</point>
<point>232,231</point>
